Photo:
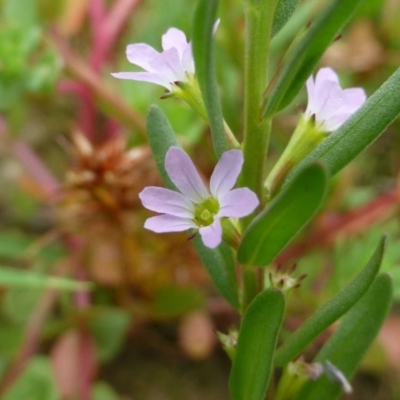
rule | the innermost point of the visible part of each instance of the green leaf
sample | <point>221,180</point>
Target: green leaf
<point>161,138</point>
<point>103,391</point>
<point>332,310</point>
<point>284,10</point>
<point>173,301</point>
<point>284,217</point>
<point>10,277</point>
<point>37,382</point>
<point>220,265</point>
<point>347,346</point>
<point>305,55</point>
<point>108,326</point>
<point>203,53</point>
<point>253,362</point>
<point>359,131</point>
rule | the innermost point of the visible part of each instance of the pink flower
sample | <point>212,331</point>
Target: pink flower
<point>329,103</point>
<point>172,65</point>
<point>196,207</point>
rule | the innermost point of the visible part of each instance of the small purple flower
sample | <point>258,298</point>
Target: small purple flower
<point>195,206</point>
<point>330,104</point>
<point>164,68</point>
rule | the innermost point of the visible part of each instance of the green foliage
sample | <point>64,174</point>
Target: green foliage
<point>36,382</point>
<point>173,301</point>
<point>108,326</point>
<point>18,304</point>
<point>18,246</point>
<point>10,277</point>
<point>328,313</point>
<point>25,66</point>
<point>103,391</point>
<point>352,252</point>
<point>347,346</point>
<point>203,53</point>
<point>258,335</point>
<point>24,13</point>
<point>221,267</point>
<point>161,138</point>
<point>284,10</point>
<point>284,217</point>
<point>305,55</point>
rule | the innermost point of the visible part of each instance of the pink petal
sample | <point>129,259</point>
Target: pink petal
<point>327,95</point>
<point>334,122</point>
<point>166,201</point>
<point>226,173</point>
<point>353,99</point>
<point>311,96</point>
<point>174,38</point>
<point>168,64</point>
<point>151,77</point>
<point>187,59</point>
<point>333,101</point>
<point>212,234</point>
<point>238,203</point>
<point>324,75</point>
<point>168,223</point>
<point>183,173</point>
<point>141,54</point>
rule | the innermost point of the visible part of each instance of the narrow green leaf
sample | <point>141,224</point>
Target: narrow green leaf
<point>361,129</point>
<point>161,138</point>
<point>203,53</point>
<point>306,54</point>
<point>220,265</point>
<point>284,10</point>
<point>10,277</point>
<point>257,339</point>
<point>218,262</point>
<point>347,346</point>
<point>284,217</point>
<point>332,310</point>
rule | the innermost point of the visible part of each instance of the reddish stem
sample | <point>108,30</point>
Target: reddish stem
<point>115,22</point>
<point>84,74</point>
<point>35,167</point>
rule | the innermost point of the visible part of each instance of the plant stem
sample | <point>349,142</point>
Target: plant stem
<point>250,287</point>
<point>258,17</point>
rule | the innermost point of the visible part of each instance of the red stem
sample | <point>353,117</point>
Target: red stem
<point>35,167</point>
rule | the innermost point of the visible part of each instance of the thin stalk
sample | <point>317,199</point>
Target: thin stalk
<point>258,18</point>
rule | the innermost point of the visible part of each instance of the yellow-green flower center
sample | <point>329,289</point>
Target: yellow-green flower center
<point>205,212</point>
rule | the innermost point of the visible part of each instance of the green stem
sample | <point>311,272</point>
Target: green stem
<point>259,17</point>
<point>249,286</point>
<point>233,142</point>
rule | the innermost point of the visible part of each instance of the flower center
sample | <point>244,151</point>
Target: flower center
<point>205,212</point>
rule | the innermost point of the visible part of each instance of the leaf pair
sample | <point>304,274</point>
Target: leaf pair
<point>368,298</point>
